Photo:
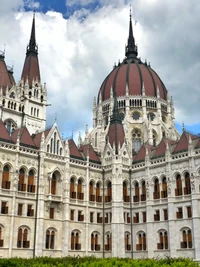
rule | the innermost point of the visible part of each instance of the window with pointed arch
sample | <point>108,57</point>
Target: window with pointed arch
<point>186,238</point>
<point>51,146</point>
<point>54,144</point>
<point>75,240</point>
<point>178,189</point>
<point>50,239</point>
<point>57,147</point>
<point>95,246</point>
<point>6,177</point>
<point>72,188</point>
<point>91,191</point>
<point>164,188</point>
<point>143,195</point>
<point>80,194</point>
<point>141,241</point>
<point>126,197</point>
<point>108,245</point>
<point>136,140</point>
<point>53,184</point>
<point>156,193</point>
<point>163,240</point>
<point>187,188</point>
<point>23,238</point>
<point>21,183</point>
<point>108,196</point>
<point>136,197</point>
<point>98,192</point>
<point>151,116</point>
<point>127,241</point>
<point>31,178</point>
<point>1,236</point>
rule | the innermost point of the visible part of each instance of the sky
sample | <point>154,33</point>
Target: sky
<point>80,40</point>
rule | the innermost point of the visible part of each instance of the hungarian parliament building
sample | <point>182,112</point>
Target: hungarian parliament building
<point>129,188</point>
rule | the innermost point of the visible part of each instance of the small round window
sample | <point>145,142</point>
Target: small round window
<point>136,115</point>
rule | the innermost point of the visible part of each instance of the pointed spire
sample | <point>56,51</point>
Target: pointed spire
<point>158,91</point>
<point>94,103</point>
<point>111,92</point>
<point>190,139</point>
<point>66,147</point>
<point>100,98</point>
<point>32,46</point>
<point>131,48</point>
<point>143,89</point>
<point>116,117</point>
<point>42,141</point>
<point>31,65</point>
<point>18,139</point>
<point>79,139</point>
<point>147,152</point>
<point>183,127</point>
<point>127,90</point>
<point>167,145</point>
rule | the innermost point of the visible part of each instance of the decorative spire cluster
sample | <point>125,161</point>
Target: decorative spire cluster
<point>131,50</point>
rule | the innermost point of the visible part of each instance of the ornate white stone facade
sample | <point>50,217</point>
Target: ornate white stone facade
<point>58,199</point>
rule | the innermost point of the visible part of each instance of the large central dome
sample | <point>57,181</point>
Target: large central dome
<point>135,74</point>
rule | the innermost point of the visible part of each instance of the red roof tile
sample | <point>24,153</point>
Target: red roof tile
<point>160,149</point>
<point>116,135</point>
<point>142,153</point>
<point>25,137</point>
<point>74,149</point>
<point>5,79</point>
<point>37,137</point>
<point>92,154</point>
<point>3,132</point>
<point>134,74</point>
<point>31,69</point>
<point>197,143</point>
<point>182,143</point>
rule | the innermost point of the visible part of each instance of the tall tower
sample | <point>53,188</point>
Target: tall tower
<point>24,104</point>
<point>34,95</point>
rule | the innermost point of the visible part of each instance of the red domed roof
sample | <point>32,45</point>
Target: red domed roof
<point>133,72</point>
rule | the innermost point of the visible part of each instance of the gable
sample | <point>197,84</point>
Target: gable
<point>54,143</point>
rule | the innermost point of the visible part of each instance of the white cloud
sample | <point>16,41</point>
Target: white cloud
<point>32,4</point>
<point>102,2</point>
<point>77,54</point>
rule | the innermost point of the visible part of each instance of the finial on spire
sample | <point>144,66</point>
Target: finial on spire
<point>183,127</point>
<point>131,48</point>
<point>55,119</point>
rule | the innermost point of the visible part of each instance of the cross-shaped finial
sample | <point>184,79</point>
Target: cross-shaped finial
<point>130,11</point>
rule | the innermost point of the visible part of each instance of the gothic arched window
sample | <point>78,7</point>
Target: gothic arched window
<point>136,140</point>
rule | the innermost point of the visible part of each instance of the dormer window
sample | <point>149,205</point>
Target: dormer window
<point>10,126</point>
